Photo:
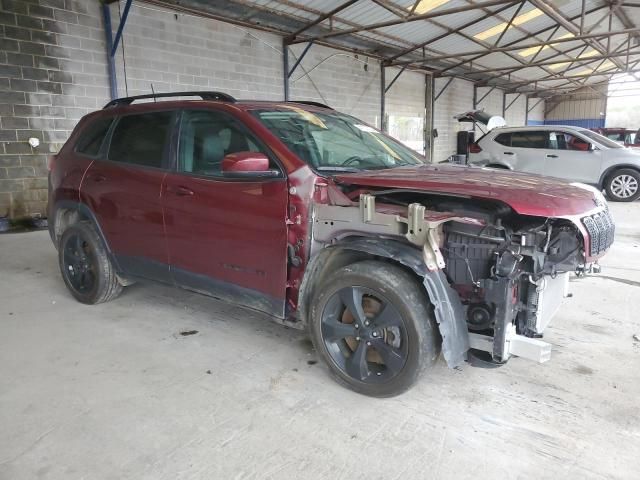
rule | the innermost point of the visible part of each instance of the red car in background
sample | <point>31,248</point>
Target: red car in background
<point>624,136</point>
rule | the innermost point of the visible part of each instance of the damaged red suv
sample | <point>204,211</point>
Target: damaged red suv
<point>323,223</point>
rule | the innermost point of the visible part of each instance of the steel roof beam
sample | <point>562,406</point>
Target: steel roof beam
<point>553,62</point>
<point>511,48</point>
<point>320,19</point>
<point>390,23</point>
<point>446,34</point>
<point>558,17</point>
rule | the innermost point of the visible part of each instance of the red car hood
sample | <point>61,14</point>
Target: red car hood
<point>527,194</point>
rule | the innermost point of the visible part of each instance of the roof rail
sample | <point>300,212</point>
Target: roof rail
<point>220,96</point>
<point>309,102</point>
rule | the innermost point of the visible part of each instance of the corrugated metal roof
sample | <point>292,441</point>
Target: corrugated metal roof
<point>398,34</point>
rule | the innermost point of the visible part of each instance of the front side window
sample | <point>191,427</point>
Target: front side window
<point>140,139</point>
<point>330,141</point>
<point>206,137</point>
<point>93,137</point>
<point>566,141</point>
<point>531,139</point>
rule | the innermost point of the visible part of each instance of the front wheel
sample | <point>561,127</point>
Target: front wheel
<point>623,185</point>
<point>85,266</point>
<point>373,325</point>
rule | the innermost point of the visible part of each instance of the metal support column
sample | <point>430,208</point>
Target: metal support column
<point>111,64</point>
<point>285,69</point>
<point>112,44</point>
<point>504,104</point>
<point>383,85</point>
<point>526,110</point>
<point>430,103</point>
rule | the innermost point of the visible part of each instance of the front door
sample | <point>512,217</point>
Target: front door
<point>571,158</point>
<point>123,190</point>
<point>226,236</point>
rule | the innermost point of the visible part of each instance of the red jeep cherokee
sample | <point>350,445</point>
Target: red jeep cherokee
<point>323,223</point>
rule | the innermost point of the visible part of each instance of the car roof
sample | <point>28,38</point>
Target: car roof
<point>541,128</point>
<point>184,99</point>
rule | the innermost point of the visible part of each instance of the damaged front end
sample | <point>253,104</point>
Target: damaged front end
<point>495,278</point>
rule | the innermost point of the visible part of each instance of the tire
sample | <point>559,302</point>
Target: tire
<point>396,338</point>
<point>85,266</point>
<point>623,185</point>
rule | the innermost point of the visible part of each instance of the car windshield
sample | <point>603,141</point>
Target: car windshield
<point>330,141</point>
<point>601,139</point>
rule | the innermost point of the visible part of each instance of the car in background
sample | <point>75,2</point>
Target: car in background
<point>623,136</point>
<point>571,153</point>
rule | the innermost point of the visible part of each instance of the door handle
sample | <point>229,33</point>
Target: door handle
<point>183,191</point>
<point>509,153</point>
<point>551,155</point>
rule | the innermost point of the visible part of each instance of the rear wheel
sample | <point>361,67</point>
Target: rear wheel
<point>374,326</point>
<point>623,185</point>
<point>85,265</point>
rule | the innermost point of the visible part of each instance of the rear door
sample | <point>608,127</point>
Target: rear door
<point>527,151</point>
<point>226,236</point>
<point>570,157</point>
<point>123,190</point>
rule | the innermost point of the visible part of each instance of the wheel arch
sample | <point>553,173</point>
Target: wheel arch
<point>607,173</point>
<point>448,309</point>
<point>66,213</point>
<point>501,166</point>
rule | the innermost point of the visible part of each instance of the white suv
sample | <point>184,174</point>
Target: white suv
<point>571,153</point>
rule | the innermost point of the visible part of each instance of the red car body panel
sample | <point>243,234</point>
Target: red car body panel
<point>233,231</point>
<point>126,202</point>
<point>527,194</point>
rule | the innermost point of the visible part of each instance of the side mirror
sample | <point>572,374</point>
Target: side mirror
<point>247,164</point>
<point>592,147</point>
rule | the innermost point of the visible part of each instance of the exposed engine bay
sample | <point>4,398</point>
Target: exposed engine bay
<point>510,272</point>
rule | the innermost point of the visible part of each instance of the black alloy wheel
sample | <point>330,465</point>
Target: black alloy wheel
<point>374,326</point>
<point>85,265</point>
<point>364,334</point>
<point>79,264</point>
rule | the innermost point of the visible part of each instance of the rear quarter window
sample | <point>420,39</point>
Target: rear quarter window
<point>92,137</point>
<point>504,139</point>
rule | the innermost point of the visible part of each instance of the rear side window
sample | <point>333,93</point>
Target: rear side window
<point>141,139</point>
<point>504,139</point>
<point>529,139</point>
<point>93,137</point>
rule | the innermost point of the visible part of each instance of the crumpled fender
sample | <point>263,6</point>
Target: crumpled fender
<point>448,309</point>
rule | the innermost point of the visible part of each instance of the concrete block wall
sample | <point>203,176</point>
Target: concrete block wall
<point>348,82</point>
<point>457,98</point>
<point>184,52</point>
<point>406,99</point>
<point>516,114</point>
<point>492,103</point>
<point>536,115</point>
<point>52,72</point>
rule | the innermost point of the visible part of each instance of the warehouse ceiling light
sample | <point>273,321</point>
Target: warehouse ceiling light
<point>590,53</point>
<point>427,5</point>
<point>557,66</point>
<point>533,50</point>
<point>519,20</point>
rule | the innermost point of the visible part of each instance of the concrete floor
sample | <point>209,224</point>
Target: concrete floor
<point>114,391</point>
